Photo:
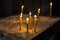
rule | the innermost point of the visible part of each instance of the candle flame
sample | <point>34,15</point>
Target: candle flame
<point>21,15</point>
<point>51,3</point>
<point>29,13</point>
<point>35,16</point>
<point>27,19</point>
<point>39,9</point>
<point>22,6</point>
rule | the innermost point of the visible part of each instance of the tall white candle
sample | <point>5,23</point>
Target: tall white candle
<point>30,20</point>
<point>27,22</point>
<point>21,20</point>
<point>38,11</point>
<point>22,8</point>
<point>50,8</point>
<point>35,22</point>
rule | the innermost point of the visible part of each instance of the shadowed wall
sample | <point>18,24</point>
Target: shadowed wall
<point>12,7</point>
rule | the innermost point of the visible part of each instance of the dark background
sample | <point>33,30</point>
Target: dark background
<point>12,7</point>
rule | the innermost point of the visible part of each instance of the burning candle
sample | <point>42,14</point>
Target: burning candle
<point>22,8</point>
<point>35,22</point>
<point>38,12</point>
<point>27,22</point>
<point>50,8</point>
<point>21,21</point>
<point>30,19</point>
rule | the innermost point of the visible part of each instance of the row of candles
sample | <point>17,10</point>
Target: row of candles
<point>29,20</point>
